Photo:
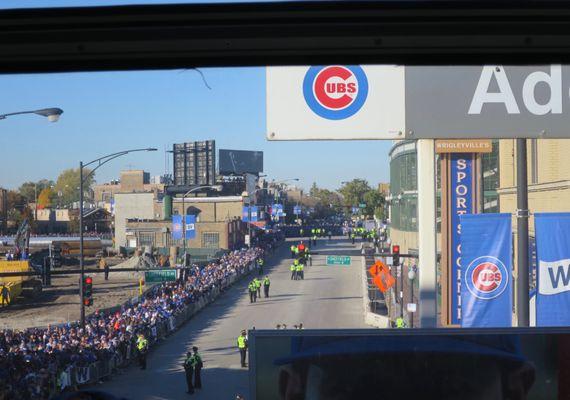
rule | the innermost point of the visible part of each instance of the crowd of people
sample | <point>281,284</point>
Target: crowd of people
<point>33,362</point>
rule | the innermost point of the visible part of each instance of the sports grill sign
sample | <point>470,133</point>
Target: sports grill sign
<point>397,102</point>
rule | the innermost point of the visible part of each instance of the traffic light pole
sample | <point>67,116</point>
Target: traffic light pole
<point>81,262</point>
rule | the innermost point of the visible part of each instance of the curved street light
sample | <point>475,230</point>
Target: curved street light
<point>100,162</point>
<point>52,114</point>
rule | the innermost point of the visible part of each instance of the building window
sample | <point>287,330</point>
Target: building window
<point>211,240</point>
<point>146,239</point>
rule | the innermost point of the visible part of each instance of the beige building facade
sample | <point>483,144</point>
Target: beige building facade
<point>548,172</point>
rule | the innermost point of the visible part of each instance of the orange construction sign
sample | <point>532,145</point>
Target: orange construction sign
<point>381,276</point>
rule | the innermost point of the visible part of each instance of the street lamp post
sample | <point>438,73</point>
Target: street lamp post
<point>215,187</point>
<point>247,194</point>
<point>52,114</point>
<point>411,277</point>
<point>99,161</point>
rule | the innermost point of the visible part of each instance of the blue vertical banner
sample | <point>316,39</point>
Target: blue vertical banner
<point>486,279</point>
<point>462,192</point>
<point>176,227</point>
<point>254,214</point>
<point>552,231</point>
<point>277,210</point>
<point>190,227</point>
<point>297,210</point>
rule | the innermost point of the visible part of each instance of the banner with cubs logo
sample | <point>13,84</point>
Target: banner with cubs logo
<point>486,281</point>
<point>335,102</point>
<point>552,232</point>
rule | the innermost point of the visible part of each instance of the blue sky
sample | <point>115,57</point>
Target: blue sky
<point>112,111</point>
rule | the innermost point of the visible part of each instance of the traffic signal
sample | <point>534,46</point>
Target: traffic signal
<point>88,291</point>
<point>396,255</point>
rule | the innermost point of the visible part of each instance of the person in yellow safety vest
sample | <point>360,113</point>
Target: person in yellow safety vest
<point>252,292</point>
<point>308,256</point>
<point>300,271</point>
<point>400,323</point>
<point>293,249</point>
<point>257,286</point>
<point>297,251</point>
<point>142,348</point>
<point>293,271</point>
<point>266,284</point>
<point>242,346</point>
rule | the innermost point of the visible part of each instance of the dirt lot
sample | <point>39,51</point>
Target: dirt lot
<point>60,302</point>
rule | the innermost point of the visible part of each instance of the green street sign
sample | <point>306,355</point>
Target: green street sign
<point>338,260</point>
<point>160,275</point>
<point>362,205</point>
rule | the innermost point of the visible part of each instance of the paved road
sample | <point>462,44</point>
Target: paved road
<point>329,297</point>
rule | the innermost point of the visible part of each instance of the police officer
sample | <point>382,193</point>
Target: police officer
<point>400,323</point>
<point>189,371</point>
<point>242,346</point>
<point>260,263</point>
<point>142,348</point>
<point>252,292</point>
<point>266,284</point>
<point>257,286</point>
<point>293,249</point>
<point>198,365</point>
<point>293,269</point>
<point>299,271</point>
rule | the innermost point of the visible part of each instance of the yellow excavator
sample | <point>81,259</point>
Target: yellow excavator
<point>18,260</point>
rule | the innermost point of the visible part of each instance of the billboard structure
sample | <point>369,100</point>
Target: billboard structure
<point>194,163</point>
<point>238,162</point>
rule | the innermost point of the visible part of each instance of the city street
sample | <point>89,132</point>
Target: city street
<point>329,297</point>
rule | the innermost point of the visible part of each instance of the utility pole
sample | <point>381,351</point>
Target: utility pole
<point>522,235</point>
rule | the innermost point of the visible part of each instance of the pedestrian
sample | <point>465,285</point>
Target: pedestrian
<point>293,249</point>
<point>189,371</point>
<point>142,347</point>
<point>400,324</point>
<point>105,267</point>
<point>242,346</point>
<point>266,284</point>
<point>5,292</point>
<point>198,365</point>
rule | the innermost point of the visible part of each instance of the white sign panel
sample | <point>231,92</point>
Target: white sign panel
<point>411,307</point>
<point>335,102</point>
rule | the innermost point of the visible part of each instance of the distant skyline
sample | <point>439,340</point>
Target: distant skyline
<point>105,112</point>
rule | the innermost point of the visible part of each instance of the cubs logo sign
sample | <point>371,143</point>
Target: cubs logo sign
<point>486,277</point>
<point>335,92</point>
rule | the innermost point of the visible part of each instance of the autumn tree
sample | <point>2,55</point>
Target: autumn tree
<point>67,185</point>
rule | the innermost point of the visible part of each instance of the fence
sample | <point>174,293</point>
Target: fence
<point>78,375</point>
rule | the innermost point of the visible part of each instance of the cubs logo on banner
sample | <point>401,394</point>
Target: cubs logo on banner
<point>176,227</point>
<point>486,281</point>
<point>335,91</point>
<point>552,232</point>
<point>190,227</point>
<point>335,102</point>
